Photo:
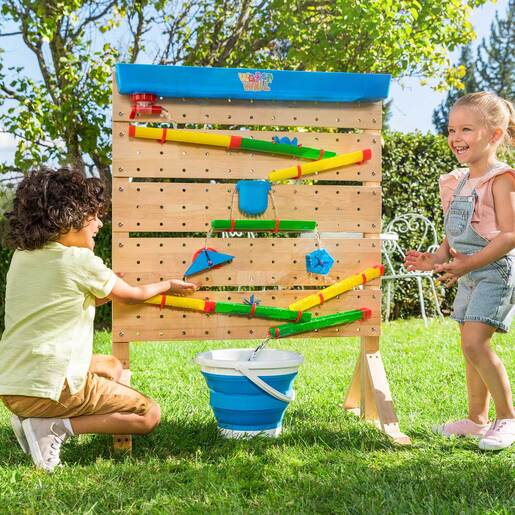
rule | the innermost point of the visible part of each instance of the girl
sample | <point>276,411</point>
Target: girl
<point>49,378</point>
<point>478,253</point>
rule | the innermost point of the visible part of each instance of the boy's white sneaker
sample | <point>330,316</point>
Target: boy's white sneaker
<point>500,436</point>
<point>20,434</point>
<point>45,437</point>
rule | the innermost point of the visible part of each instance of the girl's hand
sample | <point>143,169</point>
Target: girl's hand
<point>461,264</point>
<point>447,279</point>
<point>182,287</point>
<point>415,260</point>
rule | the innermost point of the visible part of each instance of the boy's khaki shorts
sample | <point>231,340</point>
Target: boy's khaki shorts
<point>99,396</point>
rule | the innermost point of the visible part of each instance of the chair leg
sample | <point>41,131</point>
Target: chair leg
<point>388,299</point>
<point>435,295</point>
<point>421,299</point>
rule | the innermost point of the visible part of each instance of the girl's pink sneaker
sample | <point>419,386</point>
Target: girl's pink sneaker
<point>500,436</point>
<point>464,427</point>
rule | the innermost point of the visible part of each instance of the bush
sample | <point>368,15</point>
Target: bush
<point>412,164</point>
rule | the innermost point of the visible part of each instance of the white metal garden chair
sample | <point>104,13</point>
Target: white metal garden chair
<point>410,227</point>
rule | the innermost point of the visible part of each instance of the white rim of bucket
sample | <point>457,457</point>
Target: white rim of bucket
<point>247,368</point>
<point>294,360</point>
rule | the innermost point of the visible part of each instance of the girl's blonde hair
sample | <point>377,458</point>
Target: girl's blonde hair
<point>497,112</point>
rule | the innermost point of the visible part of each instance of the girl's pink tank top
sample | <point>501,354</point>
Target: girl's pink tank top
<point>484,220</point>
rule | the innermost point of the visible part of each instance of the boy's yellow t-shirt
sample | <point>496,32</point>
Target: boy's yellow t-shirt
<point>49,312</point>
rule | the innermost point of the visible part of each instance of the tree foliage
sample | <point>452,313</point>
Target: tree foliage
<point>492,68</point>
<point>469,84</point>
<point>58,108</point>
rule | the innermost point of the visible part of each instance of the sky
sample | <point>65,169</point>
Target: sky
<point>412,105</point>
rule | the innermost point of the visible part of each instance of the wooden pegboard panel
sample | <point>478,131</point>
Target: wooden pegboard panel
<point>186,207</point>
<point>248,112</point>
<point>137,157</point>
<point>174,207</point>
<point>148,322</point>
<point>257,262</point>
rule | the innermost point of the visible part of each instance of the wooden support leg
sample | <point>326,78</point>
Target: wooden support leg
<point>122,352</point>
<point>369,393</point>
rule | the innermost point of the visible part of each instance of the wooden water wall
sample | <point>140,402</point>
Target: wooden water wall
<point>162,193</point>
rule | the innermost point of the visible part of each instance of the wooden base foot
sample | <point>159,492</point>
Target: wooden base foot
<point>369,393</point>
<point>123,443</point>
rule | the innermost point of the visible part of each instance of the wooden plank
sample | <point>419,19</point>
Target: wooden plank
<point>258,261</point>
<point>183,207</point>
<point>383,399</point>
<point>147,322</point>
<point>134,157</point>
<point>249,112</point>
<point>121,350</point>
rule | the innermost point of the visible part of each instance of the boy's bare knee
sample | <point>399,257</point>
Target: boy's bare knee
<point>151,419</point>
<point>117,368</point>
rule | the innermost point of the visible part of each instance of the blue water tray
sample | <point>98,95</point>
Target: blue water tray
<point>251,83</point>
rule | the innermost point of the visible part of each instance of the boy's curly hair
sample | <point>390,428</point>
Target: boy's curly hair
<point>49,203</point>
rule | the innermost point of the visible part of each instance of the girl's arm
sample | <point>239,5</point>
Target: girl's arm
<point>124,292</point>
<point>503,190</point>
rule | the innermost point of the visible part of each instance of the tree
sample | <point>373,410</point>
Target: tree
<point>495,58</point>
<point>491,69</point>
<point>470,84</point>
<point>60,115</point>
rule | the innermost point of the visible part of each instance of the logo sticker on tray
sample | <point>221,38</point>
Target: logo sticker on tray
<point>257,81</point>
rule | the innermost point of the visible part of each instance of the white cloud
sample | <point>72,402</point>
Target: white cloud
<point>7,142</point>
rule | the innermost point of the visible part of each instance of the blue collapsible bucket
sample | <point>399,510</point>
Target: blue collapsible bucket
<point>249,397</point>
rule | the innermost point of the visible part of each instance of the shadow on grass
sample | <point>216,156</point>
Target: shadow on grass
<point>183,439</point>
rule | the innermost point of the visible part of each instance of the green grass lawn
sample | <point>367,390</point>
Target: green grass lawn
<point>326,461</point>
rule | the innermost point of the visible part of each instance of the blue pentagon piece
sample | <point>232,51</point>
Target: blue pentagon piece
<point>319,262</point>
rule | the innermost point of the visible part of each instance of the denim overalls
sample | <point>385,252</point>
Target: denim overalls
<point>486,294</point>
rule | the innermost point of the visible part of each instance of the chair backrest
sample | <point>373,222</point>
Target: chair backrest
<point>405,232</point>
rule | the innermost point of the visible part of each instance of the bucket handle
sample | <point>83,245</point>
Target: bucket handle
<point>252,376</point>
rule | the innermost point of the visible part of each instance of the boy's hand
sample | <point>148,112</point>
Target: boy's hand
<point>415,260</point>
<point>181,287</point>
<point>461,264</point>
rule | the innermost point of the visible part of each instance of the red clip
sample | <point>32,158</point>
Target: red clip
<point>235,141</point>
<point>252,310</point>
<point>322,152</point>
<point>163,136</point>
<point>299,172</point>
<point>143,104</point>
<point>277,332</point>
<point>276,227</point>
<point>366,155</point>
<point>366,313</point>
<point>209,306</point>
<point>363,278</point>
<point>381,269</point>
<point>163,301</point>
<point>299,316</point>
<point>233,225</point>
<point>321,297</point>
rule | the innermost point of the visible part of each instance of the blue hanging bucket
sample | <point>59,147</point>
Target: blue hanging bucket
<point>249,398</point>
<point>253,196</point>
